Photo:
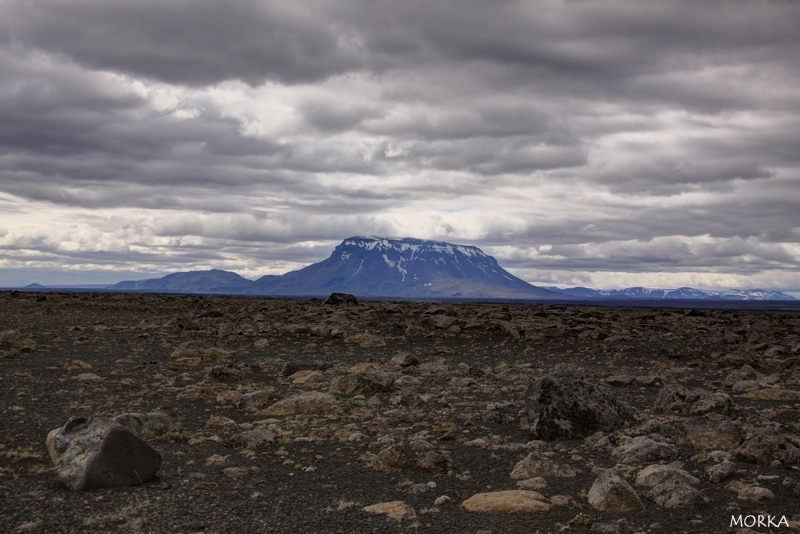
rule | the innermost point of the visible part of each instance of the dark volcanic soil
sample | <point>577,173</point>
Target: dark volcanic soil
<point>106,354</point>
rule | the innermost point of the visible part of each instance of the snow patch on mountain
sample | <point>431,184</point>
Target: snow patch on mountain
<point>687,293</point>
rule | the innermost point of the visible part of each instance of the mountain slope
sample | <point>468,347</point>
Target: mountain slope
<point>213,281</point>
<point>412,268</point>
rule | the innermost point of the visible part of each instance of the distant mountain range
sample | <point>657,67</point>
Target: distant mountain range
<point>685,293</point>
<point>405,268</point>
<point>213,281</point>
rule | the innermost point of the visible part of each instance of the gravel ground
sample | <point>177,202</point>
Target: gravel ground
<point>465,397</point>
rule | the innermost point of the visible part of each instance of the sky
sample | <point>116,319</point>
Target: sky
<point>607,144</point>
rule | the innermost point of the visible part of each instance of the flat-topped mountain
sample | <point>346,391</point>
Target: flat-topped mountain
<point>409,268</point>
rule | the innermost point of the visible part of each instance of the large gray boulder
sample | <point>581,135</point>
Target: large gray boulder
<point>97,452</point>
<point>568,407</point>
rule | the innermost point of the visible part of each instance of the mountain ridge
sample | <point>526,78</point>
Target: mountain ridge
<point>212,281</point>
<point>684,293</point>
<point>408,268</point>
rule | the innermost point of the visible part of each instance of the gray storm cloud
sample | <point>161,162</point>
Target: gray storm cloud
<point>649,140</point>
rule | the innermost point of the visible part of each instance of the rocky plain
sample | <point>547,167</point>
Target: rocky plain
<point>281,415</point>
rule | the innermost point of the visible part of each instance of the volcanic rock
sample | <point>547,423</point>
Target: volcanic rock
<point>721,471</point>
<point>653,475</point>
<point>13,342</point>
<point>363,383</point>
<point>308,402</point>
<point>643,449</point>
<point>707,435</point>
<point>97,452</point>
<point>417,455</point>
<point>341,299</point>
<point>611,493</point>
<point>507,502</point>
<point>766,445</point>
<point>677,494</point>
<point>397,510</point>
<point>147,425</point>
<point>565,407</point>
<point>256,400</point>
<point>405,359</point>
<point>535,466</point>
<point>755,494</point>
<point>678,399</point>
<point>197,350</point>
<point>253,439</point>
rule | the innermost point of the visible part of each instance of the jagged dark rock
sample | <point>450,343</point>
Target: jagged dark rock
<point>341,299</point>
<point>568,407</point>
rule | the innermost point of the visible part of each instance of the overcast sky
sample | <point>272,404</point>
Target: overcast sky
<point>609,144</point>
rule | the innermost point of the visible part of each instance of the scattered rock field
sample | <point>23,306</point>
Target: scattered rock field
<point>291,415</point>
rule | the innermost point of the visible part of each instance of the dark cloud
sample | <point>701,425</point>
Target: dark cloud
<point>193,42</point>
<point>574,136</point>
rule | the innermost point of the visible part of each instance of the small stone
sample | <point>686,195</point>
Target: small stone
<point>534,484</point>
<point>643,449</point>
<point>147,425</point>
<point>677,494</point>
<point>678,399</point>
<point>507,502</point>
<point>418,488</point>
<point>719,472</point>
<point>363,383</point>
<point>198,350</point>
<point>774,394</point>
<point>653,475</point>
<point>405,359</point>
<point>441,500</point>
<point>215,460</point>
<point>226,372</point>
<point>88,377</point>
<point>418,455</point>
<point>236,472</point>
<point>766,445</point>
<point>220,420</point>
<point>397,510</point>
<point>701,434</point>
<point>535,466</point>
<point>75,365</point>
<point>745,373</point>
<point>307,378</point>
<point>309,402</point>
<point>256,400</point>
<point>563,501</point>
<point>743,386</point>
<point>756,494</point>
<point>29,526</point>
<point>253,439</point>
